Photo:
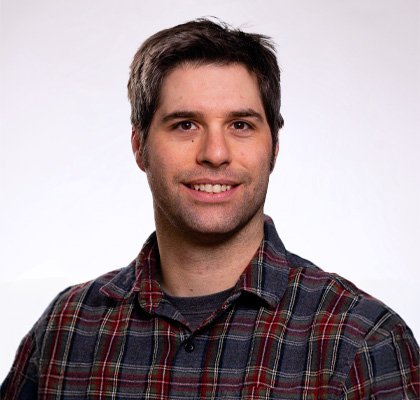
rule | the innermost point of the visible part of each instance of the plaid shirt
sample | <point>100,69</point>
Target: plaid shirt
<point>288,330</point>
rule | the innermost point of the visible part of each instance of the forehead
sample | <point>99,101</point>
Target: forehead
<point>210,88</point>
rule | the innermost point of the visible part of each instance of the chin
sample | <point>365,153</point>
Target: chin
<point>215,229</point>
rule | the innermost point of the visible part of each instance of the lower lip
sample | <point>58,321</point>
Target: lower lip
<point>212,197</point>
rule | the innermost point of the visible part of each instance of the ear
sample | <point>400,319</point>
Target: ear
<point>275,156</point>
<point>135,145</point>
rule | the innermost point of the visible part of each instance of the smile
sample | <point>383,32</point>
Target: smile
<point>209,188</point>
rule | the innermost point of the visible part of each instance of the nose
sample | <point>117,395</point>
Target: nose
<point>215,150</point>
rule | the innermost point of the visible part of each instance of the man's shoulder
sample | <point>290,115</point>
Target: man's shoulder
<point>98,292</point>
<point>338,299</point>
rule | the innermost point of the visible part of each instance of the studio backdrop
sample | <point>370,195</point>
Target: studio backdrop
<point>345,192</point>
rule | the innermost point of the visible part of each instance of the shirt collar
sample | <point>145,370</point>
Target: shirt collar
<point>266,275</point>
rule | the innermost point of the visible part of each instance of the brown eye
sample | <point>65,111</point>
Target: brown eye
<point>240,125</point>
<point>185,125</point>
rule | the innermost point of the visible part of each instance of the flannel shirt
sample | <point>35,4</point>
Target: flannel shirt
<point>288,330</point>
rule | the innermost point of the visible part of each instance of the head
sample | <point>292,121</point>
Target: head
<point>197,43</point>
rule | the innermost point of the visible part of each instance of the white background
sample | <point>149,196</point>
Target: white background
<point>345,193</point>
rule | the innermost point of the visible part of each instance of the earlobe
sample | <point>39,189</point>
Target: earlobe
<point>135,145</point>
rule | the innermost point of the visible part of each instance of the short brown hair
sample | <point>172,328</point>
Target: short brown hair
<point>201,42</point>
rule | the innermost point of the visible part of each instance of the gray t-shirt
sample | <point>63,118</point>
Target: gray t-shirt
<point>198,308</point>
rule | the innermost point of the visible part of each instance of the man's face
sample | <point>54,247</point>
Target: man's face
<point>208,151</point>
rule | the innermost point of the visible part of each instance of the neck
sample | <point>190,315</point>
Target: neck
<point>190,267</point>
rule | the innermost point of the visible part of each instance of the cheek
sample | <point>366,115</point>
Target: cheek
<point>164,167</point>
<point>160,155</point>
<point>256,157</point>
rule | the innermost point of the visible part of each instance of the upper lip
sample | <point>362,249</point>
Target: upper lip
<point>204,181</point>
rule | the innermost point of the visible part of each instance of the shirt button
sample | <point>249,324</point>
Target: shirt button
<point>189,347</point>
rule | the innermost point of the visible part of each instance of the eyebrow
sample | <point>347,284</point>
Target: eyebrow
<point>184,114</point>
<point>245,113</point>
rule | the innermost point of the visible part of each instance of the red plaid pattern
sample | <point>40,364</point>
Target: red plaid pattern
<point>288,330</point>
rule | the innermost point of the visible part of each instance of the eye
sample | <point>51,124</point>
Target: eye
<point>186,126</point>
<point>241,125</point>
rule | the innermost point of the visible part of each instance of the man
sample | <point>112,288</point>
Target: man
<point>214,306</point>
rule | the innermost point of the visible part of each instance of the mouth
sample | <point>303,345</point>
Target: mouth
<point>210,188</point>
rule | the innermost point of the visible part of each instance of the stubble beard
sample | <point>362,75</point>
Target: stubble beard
<point>203,225</point>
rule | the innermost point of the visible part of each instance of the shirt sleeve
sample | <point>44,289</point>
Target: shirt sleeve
<point>386,368</point>
<point>21,382</point>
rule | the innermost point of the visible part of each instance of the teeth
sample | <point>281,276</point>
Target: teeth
<point>209,188</point>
